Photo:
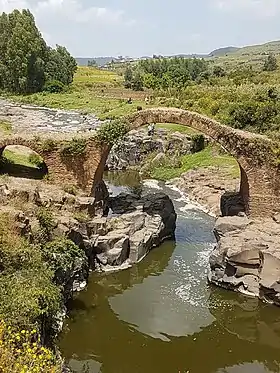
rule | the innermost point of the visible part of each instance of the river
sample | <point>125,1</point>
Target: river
<point>161,316</point>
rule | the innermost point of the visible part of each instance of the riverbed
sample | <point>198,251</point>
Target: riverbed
<point>161,316</point>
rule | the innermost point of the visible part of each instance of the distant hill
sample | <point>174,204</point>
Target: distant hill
<point>259,49</point>
<point>251,50</point>
<point>222,51</point>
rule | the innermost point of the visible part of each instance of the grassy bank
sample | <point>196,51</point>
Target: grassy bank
<point>210,156</point>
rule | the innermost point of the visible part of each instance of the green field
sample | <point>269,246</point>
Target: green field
<point>92,91</point>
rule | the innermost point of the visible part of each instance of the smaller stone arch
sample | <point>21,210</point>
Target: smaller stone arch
<point>83,170</point>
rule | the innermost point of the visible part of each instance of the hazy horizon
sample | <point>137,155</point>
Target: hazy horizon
<point>183,53</point>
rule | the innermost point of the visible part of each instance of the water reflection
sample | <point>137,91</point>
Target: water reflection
<point>126,182</point>
<point>246,318</point>
<point>161,316</point>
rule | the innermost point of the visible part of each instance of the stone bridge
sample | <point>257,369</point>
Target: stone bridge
<point>81,160</point>
<point>71,159</point>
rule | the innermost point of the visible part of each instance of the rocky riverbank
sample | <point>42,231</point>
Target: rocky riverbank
<point>108,233</point>
<point>246,258</point>
<point>213,188</point>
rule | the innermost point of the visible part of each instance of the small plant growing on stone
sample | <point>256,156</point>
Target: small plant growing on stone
<point>82,217</point>
<point>48,145</point>
<point>110,132</point>
<point>74,147</point>
<point>70,189</point>
<point>5,127</point>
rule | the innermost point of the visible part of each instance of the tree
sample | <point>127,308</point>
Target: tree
<point>128,77</point>
<point>270,63</point>
<point>218,71</point>
<point>26,62</point>
<point>137,82</point>
<point>92,63</point>
<point>61,65</point>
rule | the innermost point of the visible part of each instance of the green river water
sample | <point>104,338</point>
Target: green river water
<point>161,316</point>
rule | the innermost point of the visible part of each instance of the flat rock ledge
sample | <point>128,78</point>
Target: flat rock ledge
<point>246,258</point>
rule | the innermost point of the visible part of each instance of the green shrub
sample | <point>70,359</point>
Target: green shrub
<point>74,147</point>
<point>81,217</point>
<point>110,132</point>
<point>198,143</point>
<point>48,145</point>
<point>46,220</point>
<point>61,254</point>
<point>54,86</point>
<point>27,294</point>
<point>15,251</point>
<point>5,126</point>
<point>29,297</point>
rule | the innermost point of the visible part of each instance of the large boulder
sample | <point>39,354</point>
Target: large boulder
<point>247,257</point>
<point>152,204</point>
<point>141,223</point>
<point>137,147</point>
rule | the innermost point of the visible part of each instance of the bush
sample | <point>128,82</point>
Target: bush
<point>15,252</point>
<point>70,189</point>
<point>48,145</point>
<point>29,298</point>
<point>74,147</point>
<point>198,143</point>
<point>46,221</point>
<point>27,295</point>
<point>82,217</point>
<point>61,255</point>
<point>54,86</point>
<point>110,132</point>
<point>20,352</point>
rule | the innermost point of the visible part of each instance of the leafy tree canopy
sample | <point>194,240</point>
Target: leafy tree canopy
<point>26,62</point>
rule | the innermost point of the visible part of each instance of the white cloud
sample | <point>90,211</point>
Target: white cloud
<point>74,11</point>
<point>259,8</point>
<point>71,22</point>
<point>71,10</point>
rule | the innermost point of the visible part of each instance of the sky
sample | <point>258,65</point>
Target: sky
<point>91,28</point>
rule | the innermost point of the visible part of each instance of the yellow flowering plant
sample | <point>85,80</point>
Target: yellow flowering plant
<point>20,352</point>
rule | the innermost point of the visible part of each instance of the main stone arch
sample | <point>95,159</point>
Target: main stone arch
<point>255,154</point>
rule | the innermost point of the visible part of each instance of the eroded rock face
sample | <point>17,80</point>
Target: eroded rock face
<point>247,257</point>
<point>141,224</point>
<point>137,146</point>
